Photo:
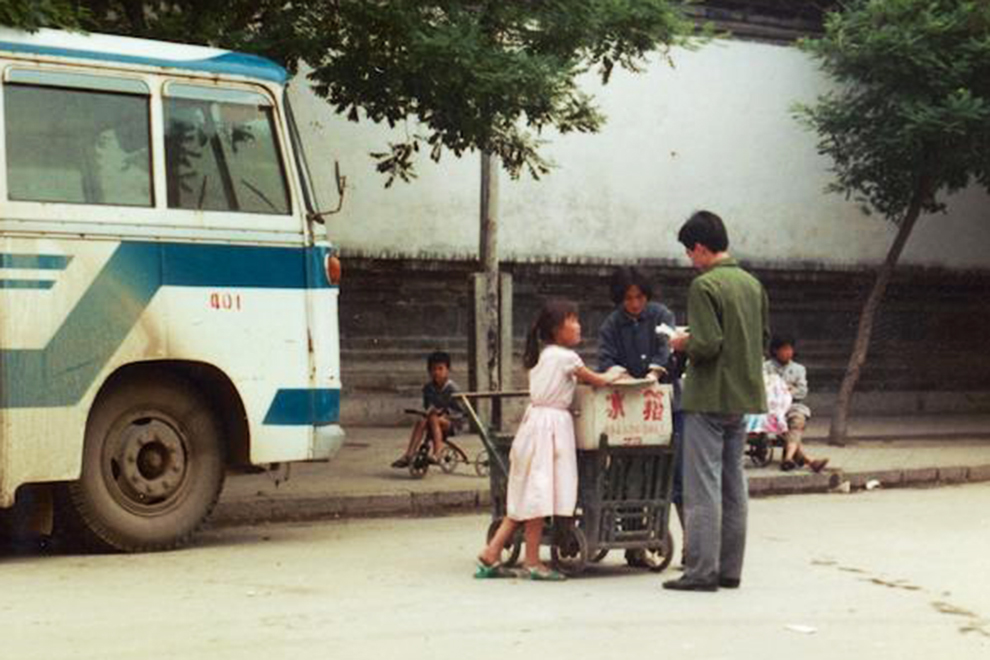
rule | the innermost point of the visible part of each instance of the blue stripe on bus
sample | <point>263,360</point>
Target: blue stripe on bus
<point>304,407</point>
<point>189,264</point>
<point>34,261</point>
<point>60,373</point>
<point>239,64</point>
<point>27,284</point>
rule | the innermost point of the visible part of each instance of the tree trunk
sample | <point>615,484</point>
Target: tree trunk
<point>840,415</point>
<point>488,253</point>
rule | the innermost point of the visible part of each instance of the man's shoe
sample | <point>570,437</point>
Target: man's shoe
<point>728,583</point>
<point>686,584</point>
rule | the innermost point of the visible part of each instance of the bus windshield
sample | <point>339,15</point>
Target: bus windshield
<point>302,164</point>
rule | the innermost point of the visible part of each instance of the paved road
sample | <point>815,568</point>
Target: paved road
<point>874,575</point>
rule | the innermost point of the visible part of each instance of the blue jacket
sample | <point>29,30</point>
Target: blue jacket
<point>634,343</point>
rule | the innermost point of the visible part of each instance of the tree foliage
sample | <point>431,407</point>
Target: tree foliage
<point>486,75</point>
<point>909,122</point>
<point>35,14</point>
<point>469,74</point>
<point>911,115</point>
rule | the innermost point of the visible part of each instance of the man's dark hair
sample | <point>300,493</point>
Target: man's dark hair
<point>706,228</point>
<point>625,277</point>
<point>437,357</point>
<point>779,341</point>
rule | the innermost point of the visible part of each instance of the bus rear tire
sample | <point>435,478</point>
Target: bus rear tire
<point>153,467</point>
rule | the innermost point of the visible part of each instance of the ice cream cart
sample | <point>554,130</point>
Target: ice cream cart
<point>625,471</point>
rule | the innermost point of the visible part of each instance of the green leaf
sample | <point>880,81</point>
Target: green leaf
<point>911,119</point>
<point>475,74</point>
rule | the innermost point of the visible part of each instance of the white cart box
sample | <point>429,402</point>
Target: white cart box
<point>631,413</point>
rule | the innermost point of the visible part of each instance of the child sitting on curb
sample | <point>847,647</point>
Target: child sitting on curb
<point>782,363</point>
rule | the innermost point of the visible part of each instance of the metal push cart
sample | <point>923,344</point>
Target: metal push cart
<point>624,492</point>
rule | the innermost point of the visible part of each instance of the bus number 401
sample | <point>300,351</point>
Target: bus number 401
<point>225,301</point>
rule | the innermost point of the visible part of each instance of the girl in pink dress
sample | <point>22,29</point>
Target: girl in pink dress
<point>543,460</point>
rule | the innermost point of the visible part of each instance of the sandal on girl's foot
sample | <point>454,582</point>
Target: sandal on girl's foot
<point>402,462</point>
<point>787,466</point>
<point>486,570</point>
<point>544,574</point>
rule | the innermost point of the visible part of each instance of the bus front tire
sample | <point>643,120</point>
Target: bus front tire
<point>153,467</point>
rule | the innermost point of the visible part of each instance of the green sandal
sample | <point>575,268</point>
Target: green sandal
<point>488,571</point>
<point>545,575</point>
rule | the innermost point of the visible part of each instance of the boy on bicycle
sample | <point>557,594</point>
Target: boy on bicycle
<point>442,414</point>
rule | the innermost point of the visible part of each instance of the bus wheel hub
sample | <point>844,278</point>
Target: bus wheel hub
<point>153,460</point>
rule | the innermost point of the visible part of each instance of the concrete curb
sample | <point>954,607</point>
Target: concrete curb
<point>261,509</point>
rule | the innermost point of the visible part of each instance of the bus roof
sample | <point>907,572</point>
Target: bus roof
<point>128,50</point>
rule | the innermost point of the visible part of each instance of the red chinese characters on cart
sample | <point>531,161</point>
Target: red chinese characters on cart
<point>628,414</point>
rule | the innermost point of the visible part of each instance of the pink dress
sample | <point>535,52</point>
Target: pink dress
<point>543,461</point>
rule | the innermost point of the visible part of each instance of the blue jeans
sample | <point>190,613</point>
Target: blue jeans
<point>715,496</point>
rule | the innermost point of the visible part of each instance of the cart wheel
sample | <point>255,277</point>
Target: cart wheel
<point>659,558</point>
<point>512,550</point>
<point>482,464</point>
<point>449,459</point>
<point>636,557</point>
<point>600,555</point>
<point>760,452</point>
<point>569,552</point>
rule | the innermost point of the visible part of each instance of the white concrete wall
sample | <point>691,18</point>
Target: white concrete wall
<point>715,132</point>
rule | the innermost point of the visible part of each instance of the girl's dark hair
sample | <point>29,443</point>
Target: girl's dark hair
<point>625,277</point>
<point>551,317</point>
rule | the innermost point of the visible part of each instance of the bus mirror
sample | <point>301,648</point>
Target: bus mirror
<point>341,182</point>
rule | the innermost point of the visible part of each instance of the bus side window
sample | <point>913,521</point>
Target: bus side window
<point>221,151</point>
<point>76,145</point>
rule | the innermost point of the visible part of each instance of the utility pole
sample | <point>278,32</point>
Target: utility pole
<point>490,342</point>
<point>487,317</point>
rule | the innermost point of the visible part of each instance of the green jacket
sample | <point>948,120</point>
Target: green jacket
<point>729,320</point>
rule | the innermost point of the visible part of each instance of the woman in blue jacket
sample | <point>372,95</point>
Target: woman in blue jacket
<point>628,338</point>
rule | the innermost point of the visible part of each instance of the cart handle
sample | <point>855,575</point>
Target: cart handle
<point>493,395</point>
<point>465,398</point>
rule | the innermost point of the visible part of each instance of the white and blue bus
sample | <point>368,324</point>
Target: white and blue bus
<point>168,294</point>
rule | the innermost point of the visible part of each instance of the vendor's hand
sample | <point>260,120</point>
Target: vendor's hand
<point>679,341</point>
<point>656,373</point>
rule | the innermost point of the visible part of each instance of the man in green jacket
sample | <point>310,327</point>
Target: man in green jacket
<point>728,316</point>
